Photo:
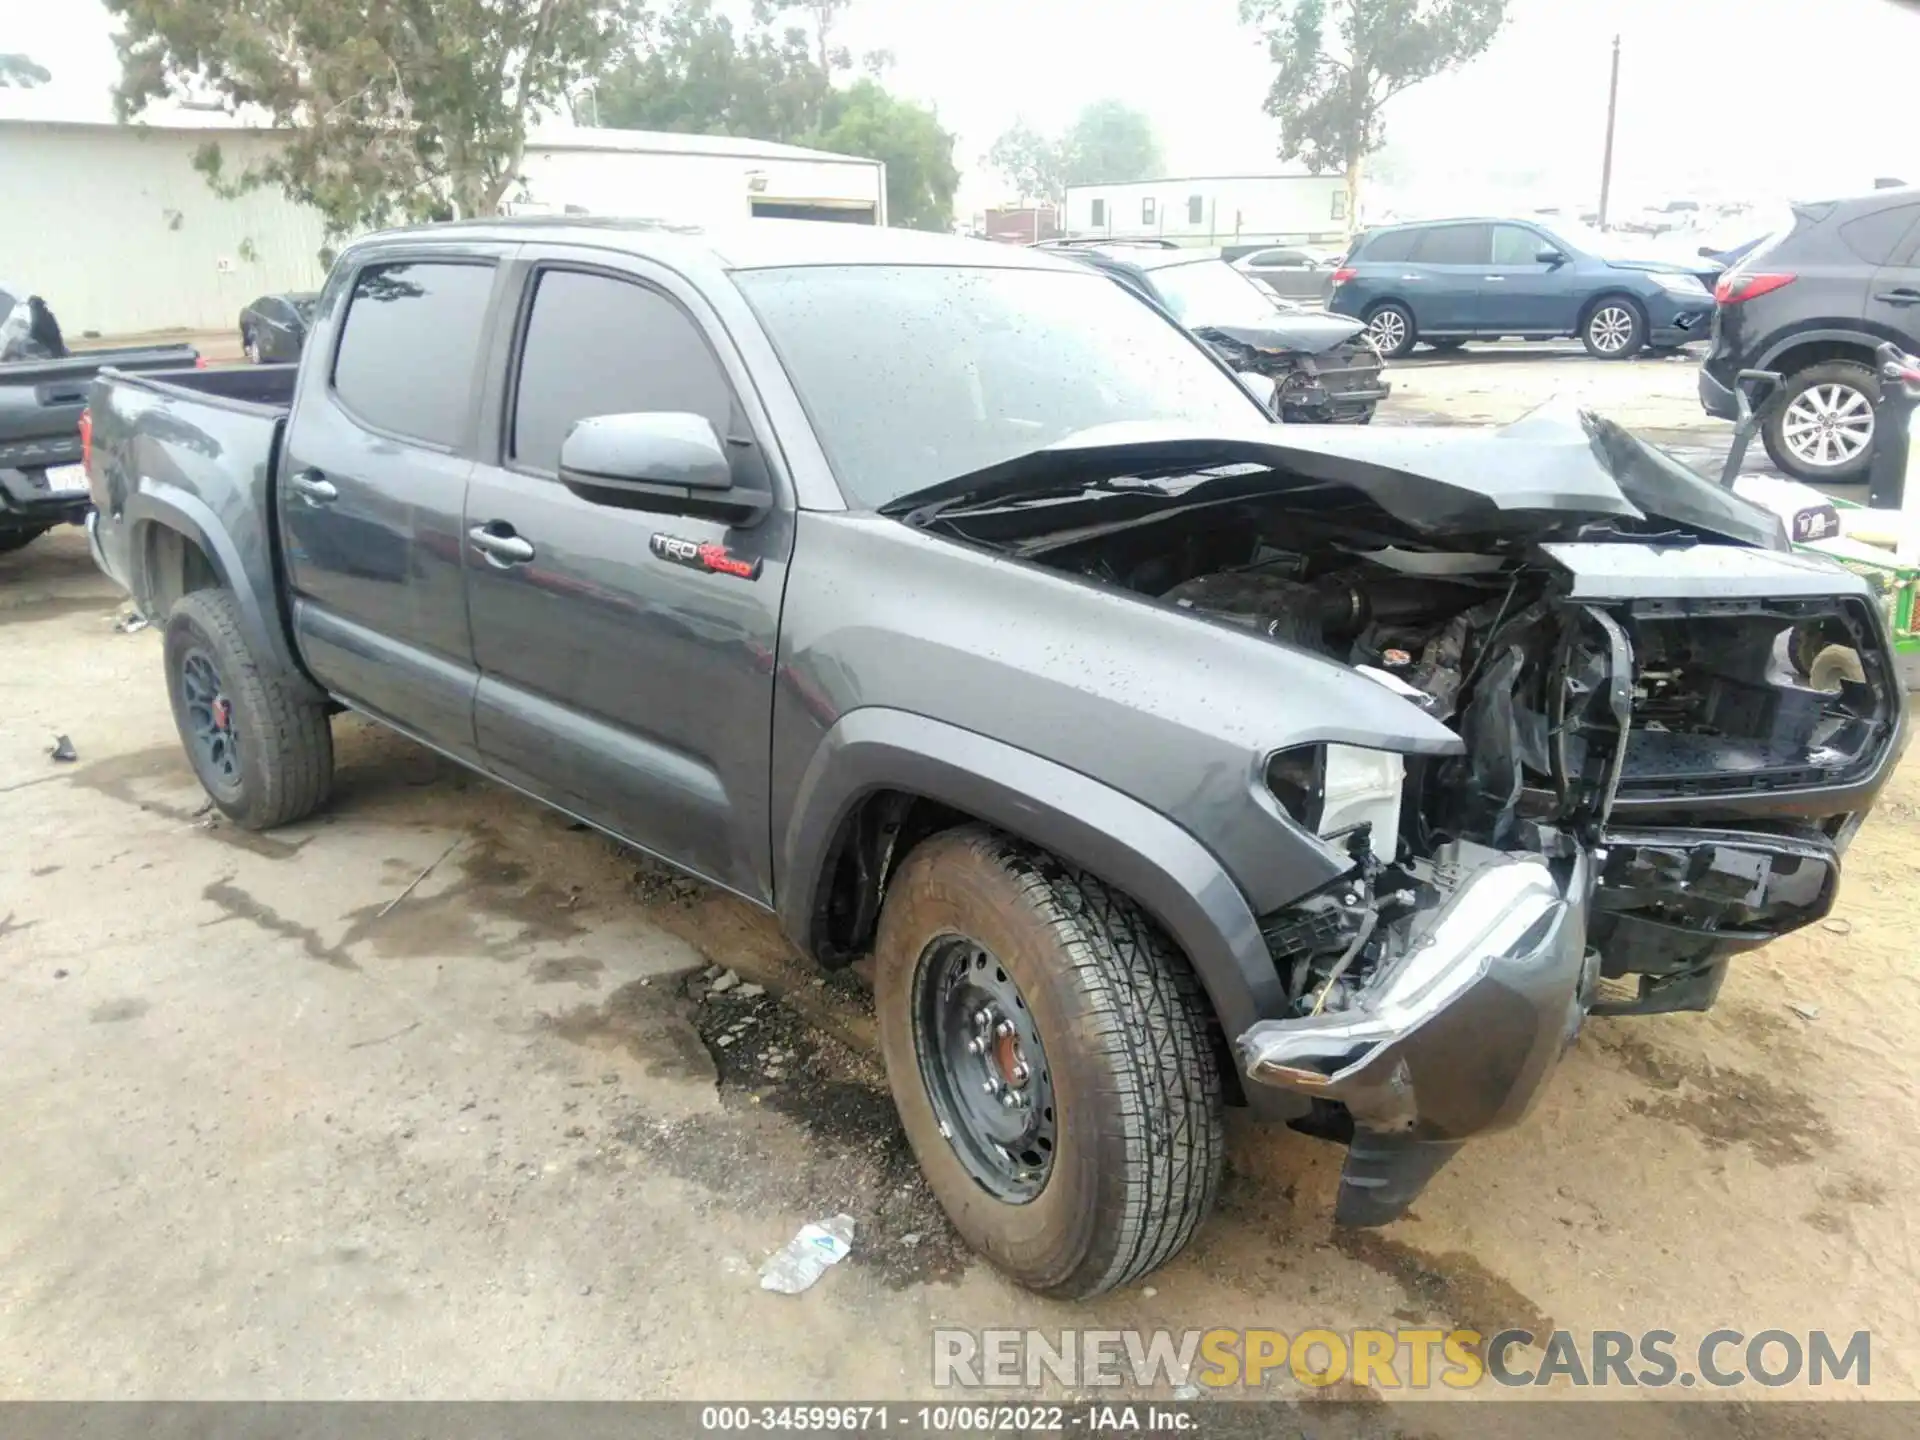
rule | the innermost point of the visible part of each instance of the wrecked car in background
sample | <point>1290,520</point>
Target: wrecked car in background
<point>965,613</point>
<point>1324,368</point>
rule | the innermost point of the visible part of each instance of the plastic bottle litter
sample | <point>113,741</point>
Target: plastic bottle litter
<point>805,1258</point>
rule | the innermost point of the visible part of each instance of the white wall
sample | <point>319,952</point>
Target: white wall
<point>696,189</point>
<point>118,231</point>
<point>120,234</point>
<point>1246,209</point>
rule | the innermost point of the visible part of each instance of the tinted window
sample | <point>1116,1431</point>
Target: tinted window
<point>1456,245</point>
<point>1513,245</point>
<point>1196,209</point>
<point>1279,259</point>
<point>1875,237</point>
<point>1394,246</point>
<point>917,374</point>
<point>409,346</point>
<point>600,346</point>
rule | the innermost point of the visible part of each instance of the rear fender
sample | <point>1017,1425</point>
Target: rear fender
<point>156,505</point>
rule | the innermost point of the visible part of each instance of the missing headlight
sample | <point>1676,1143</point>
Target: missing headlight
<point>1333,790</point>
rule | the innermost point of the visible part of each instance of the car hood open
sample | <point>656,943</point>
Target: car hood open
<point>1553,469</point>
<point>1307,332</point>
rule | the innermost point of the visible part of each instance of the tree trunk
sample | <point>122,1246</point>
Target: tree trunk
<point>1355,164</point>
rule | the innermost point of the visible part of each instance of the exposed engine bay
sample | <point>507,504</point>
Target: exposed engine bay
<point>1571,710</point>
<point>1656,732</point>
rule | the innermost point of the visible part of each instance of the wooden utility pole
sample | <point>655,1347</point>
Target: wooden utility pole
<point>1613,104</point>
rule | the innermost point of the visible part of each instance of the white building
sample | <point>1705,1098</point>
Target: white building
<point>115,227</point>
<point>1214,210</point>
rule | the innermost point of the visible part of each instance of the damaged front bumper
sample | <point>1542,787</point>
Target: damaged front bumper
<point>1454,1037</point>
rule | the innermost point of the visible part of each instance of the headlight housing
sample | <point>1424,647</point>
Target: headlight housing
<point>1332,790</point>
<point>1691,286</point>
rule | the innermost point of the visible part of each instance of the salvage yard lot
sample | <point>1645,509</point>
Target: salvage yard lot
<point>272,1129</point>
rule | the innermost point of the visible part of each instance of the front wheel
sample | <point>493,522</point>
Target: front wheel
<point>1048,1050</point>
<point>1390,328</point>
<point>251,343</point>
<point>262,751</point>
<point>1615,329</point>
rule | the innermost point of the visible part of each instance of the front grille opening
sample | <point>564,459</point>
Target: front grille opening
<point>1782,697</point>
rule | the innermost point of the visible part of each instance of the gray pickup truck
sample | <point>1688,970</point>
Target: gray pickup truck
<point>43,482</point>
<point>964,612</point>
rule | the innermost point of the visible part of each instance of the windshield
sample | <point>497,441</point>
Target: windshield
<point>1211,292</point>
<point>916,374</point>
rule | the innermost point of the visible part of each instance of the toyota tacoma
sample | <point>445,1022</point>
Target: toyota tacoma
<point>968,614</point>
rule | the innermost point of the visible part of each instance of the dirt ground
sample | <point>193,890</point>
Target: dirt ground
<point>273,1126</point>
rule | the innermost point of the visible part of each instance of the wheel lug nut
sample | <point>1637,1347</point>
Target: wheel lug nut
<point>976,1046</point>
<point>1019,1076</point>
<point>991,1086</point>
<point>1004,1028</point>
<point>1009,1099</point>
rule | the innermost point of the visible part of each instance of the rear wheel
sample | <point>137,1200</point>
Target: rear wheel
<point>1048,1051</point>
<point>251,341</point>
<point>1615,328</point>
<point>1390,328</point>
<point>262,751</point>
<point>1819,429</point>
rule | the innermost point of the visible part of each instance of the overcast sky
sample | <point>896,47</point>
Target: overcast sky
<point>1756,98</point>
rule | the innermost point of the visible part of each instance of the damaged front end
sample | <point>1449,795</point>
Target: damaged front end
<point>1668,729</point>
<point>1663,752</point>
<point>1318,378</point>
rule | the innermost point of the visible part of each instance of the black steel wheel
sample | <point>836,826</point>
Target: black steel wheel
<point>1049,1050</point>
<point>984,1068</point>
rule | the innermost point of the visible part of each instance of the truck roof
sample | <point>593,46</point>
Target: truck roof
<point>740,245</point>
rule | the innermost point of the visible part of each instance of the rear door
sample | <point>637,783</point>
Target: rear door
<point>617,680</point>
<point>372,487</point>
<point>1451,265</point>
<point>1891,242</point>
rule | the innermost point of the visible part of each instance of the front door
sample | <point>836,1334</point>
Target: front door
<point>372,487</point>
<point>1523,296</point>
<point>618,680</point>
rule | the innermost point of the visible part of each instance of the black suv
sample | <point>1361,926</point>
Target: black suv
<point>1813,303</point>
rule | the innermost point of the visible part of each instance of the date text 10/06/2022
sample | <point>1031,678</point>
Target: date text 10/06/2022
<point>1115,1419</point>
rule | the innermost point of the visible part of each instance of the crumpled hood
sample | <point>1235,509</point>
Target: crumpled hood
<point>1554,467</point>
<point>1307,332</point>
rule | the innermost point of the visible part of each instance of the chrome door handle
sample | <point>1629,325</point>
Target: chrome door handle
<point>313,487</point>
<point>1901,296</point>
<point>500,549</point>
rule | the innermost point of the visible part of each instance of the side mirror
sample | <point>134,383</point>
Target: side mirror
<point>1707,252</point>
<point>655,460</point>
<point>1549,257</point>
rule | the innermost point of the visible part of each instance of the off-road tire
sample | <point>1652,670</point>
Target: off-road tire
<point>1636,338</point>
<point>286,745</point>
<point>1409,336</point>
<point>1772,427</point>
<point>1123,1021</point>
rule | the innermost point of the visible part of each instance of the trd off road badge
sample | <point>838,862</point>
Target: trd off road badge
<point>704,555</point>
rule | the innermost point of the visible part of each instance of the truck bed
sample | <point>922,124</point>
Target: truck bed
<point>180,445</point>
<point>40,405</point>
